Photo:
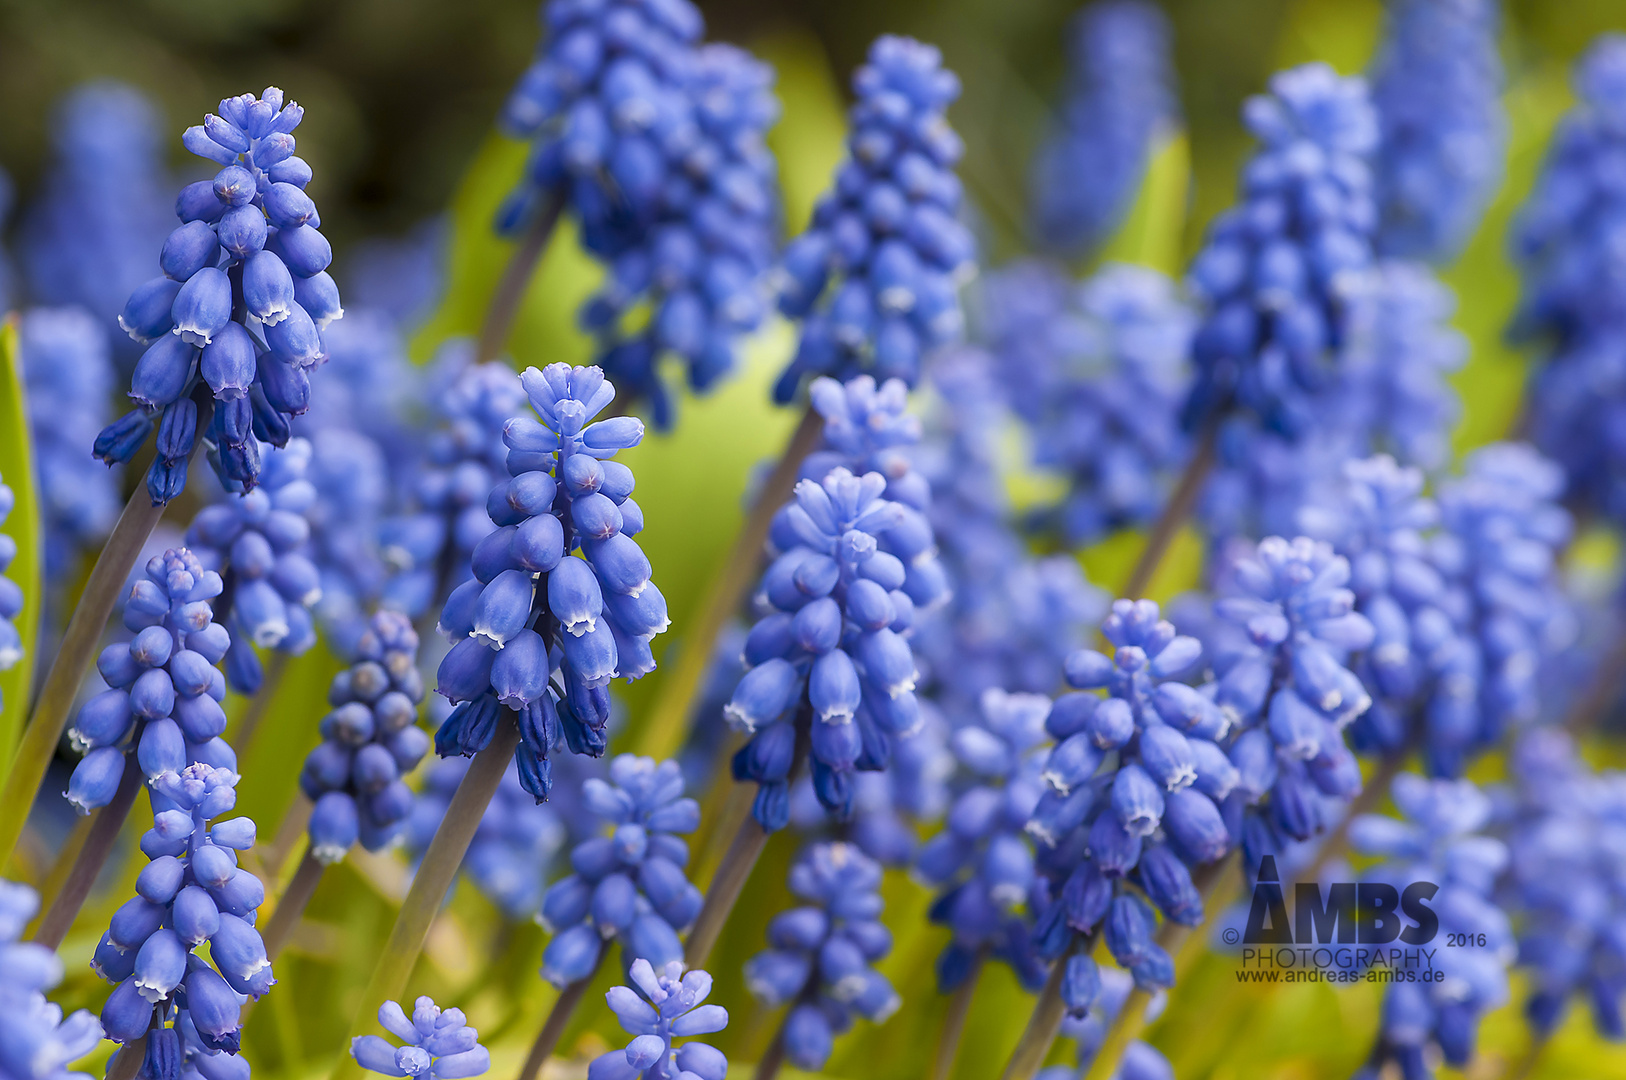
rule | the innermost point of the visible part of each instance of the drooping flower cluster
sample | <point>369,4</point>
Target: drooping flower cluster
<point>982,862</point>
<point>241,303</point>
<point>1099,373</point>
<point>1118,102</point>
<point>190,891</point>
<point>68,370</point>
<point>165,689</point>
<point>874,277</point>
<point>1568,248</point>
<point>630,883</point>
<point>532,595</point>
<point>440,1045</point>
<point>1439,844</point>
<point>370,742</point>
<point>667,1006</point>
<point>257,541</point>
<point>1437,86</point>
<point>11,594</point>
<point>36,1042</point>
<point>820,956</point>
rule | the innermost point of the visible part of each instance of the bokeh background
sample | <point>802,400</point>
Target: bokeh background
<point>400,97</point>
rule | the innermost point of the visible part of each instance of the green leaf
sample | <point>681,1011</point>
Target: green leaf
<point>1153,230</point>
<point>23,526</point>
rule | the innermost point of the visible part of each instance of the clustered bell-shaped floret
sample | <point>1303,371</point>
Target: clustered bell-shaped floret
<point>820,956</point>
<point>535,607</point>
<point>440,1045</point>
<point>260,540</point>
<point>191,891</point>
<point>370,742</point>
<point>874,278</point>
<point>668,1005</point>
<point>165,691</point>
<point>241,304</point>
<point>36,1042</point>
<point>628,883</point>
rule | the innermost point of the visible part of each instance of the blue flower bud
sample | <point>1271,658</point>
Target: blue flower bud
<point>213,1008</point>
<point>572,955</point>
<point>1071,764</point>
<point>1195,824</point>
<point>519,674</point>
<point>146,315</point>
<point>160,965</point>
<point>1136,800</point>
<point>188,250</point>
<point>763,695</point>
<point>194,916</point>
<point>1167,757</point>
<point>162,372</point>
<point>202,307</point>
<point>268,288</point>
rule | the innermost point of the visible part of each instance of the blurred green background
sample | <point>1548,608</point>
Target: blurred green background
<point>400,96</point>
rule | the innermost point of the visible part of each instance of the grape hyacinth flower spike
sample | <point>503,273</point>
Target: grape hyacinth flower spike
<point>630,883</point>
<point>874,279</point>
<point>165,691</point>
<point>667,1005</point>
<point>440,1045</point>
<point>240,306</point>
<point>820,956</point>
<point>370,742</point>
<point>36,1041</point>
<point>191,891</point>
<point>534,607</point>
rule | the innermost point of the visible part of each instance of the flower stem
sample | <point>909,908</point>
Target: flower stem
<point>553,1029</point>
<point>516,277</point>
<point>668,722</point>
<point>959,1007</point>
<point>293,823</point>
<point>127,1060</point>
<point>292,903</point>
<point>773,1058</point>
<point>1175,512</point>
<point>724,891</point>
<point>76,651</point>
<point>88,862</point>
<point>435,875</point>
<point>1043,1025</point>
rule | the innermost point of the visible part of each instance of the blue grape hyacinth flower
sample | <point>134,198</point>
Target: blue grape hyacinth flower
<point>36,1041</point>
<point>628,883</point>
<point>669,1004</point>
<point>370,742</point>
<point>190,891</point>
<point>240,307</point>
<point>439,1044</point>
<point>165,690</point>
<point>820,957</point>
<point>874,279</point>
<point>1118,102</point>
<point>534,607</point>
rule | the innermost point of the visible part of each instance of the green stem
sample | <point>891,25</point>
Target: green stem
<point>1175,512</point>
<point>1043,1026</point>
<point>553,1029</point>
<point>516,277</point>
<point>291,904</point>
<point>959,1007</point>
<point>89,860</point>
<point>724,891</point>
<point>242,734</point>
<point>429,885</point>
<point>773,1058</point>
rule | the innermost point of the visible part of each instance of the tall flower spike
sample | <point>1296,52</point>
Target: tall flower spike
<point>534,607</point>
<point>440,1045</point>
<point>36,1043</point>
<point>257,540</point>
<point>820,956</point>
<point>875,277</point>
<point>191,891</point>
<point>240,306</point>
<point>667,1005</point>
<point>627,883</point>
<point>1118,102</point>
<point>69,373</point>
<point>165,690</point>
<point>370,742</point>
<point>11,594</point>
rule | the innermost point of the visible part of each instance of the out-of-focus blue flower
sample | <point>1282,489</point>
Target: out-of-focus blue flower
<point>165,691</point>
<point>1099,373</point>
<point>1088,1029</point>
<point>69,375</point>
<point>240,307</point>
<point>1437,86</point>
<point>258,541</point>
<point>627,883</point>
<point>874,279</point>
<point>668,1005</point>
<point>401,277</point>
<point>534,607</point>
<point>820,956</point>
<point>370,741</point>
<point>1570,250</point>
<point>191,891</point>
<point>353,490</point>
<point>36,1042</point>
<point>11,594</point>
<point>1439,843</point>
<point>440,1045</point>
<point>103,208</point>
<point>1118,102</point>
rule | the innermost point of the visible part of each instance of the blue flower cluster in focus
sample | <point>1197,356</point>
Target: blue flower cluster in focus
<point>669,1004</point>
<point>439,1044</point>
